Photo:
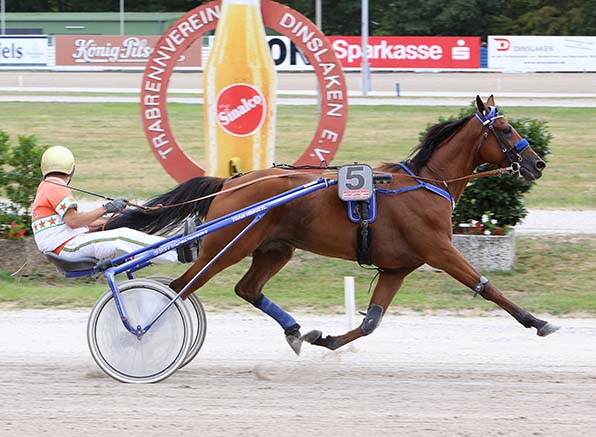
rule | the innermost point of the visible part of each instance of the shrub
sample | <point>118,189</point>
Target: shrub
<point>499,197</point>
<point>19,178</point>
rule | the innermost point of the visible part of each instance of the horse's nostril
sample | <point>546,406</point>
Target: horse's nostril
<point>540,165</point>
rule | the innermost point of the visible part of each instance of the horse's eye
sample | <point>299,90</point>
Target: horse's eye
<point>507,130</point>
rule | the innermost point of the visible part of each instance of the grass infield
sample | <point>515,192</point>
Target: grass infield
<point>113,156</point>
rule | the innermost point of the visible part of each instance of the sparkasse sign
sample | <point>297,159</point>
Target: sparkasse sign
<point>409,51</point>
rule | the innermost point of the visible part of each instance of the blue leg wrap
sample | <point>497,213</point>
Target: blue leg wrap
<point>287,322</point>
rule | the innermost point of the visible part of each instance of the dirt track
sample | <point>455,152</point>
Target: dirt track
<point>415,375</point>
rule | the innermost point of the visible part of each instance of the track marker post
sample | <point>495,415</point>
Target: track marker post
<point>350,304</point>
<point>350,300</point>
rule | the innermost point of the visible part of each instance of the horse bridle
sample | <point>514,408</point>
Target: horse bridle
<point>513,152</point>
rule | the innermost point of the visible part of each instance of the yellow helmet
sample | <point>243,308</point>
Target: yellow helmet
<point>57,159</point>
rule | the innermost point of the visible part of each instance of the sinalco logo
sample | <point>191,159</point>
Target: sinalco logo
<point>333,95</point>
<point>240,109</point>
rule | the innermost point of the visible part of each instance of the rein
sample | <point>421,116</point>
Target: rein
<point>495,172</point>
<point>227,190</point>
<point>486,120</point>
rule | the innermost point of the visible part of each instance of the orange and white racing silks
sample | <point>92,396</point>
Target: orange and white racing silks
<point>51,204</point>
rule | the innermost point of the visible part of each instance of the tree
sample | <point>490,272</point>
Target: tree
<point>390,17</point>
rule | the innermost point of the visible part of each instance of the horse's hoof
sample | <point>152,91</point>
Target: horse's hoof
<point>295,343</point>
<point>312,336</point>
<point>547,329</point>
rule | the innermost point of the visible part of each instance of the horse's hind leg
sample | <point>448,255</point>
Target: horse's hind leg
<point>455,264</point>
<point>385,290</point>
<point>266,262</point>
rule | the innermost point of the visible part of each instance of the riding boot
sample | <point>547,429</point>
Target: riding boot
<point>189,252</point>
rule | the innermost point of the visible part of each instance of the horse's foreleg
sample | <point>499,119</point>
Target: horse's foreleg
<point>266,262</point>
<point>453,262</point>
<point>385,290</point>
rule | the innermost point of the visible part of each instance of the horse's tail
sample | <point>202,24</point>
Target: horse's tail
<point>164,220</point>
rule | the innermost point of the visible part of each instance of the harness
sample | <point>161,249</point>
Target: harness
<point>363,211</point>
<point>356,187</point>
<point>421,184</point>
<point>514,152</point>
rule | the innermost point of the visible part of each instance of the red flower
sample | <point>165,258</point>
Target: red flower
<point>499,232</point>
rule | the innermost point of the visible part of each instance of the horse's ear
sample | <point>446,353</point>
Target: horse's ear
<point>480,104</point>
<point>491,101</point>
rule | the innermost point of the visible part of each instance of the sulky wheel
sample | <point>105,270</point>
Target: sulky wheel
<point>155,355</point>
<point>198,318</point>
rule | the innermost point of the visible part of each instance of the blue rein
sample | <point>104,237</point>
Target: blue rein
<point>421,184</point>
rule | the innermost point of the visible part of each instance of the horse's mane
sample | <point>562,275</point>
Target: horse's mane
<point>434,137</point>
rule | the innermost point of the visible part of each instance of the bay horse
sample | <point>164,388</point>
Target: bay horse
<point>411,229</point>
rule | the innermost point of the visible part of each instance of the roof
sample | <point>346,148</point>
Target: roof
<point>92,16</point>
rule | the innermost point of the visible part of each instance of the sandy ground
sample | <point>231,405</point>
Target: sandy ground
<point>415,375</point>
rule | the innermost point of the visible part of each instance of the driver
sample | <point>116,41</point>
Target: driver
<point>59,227</point>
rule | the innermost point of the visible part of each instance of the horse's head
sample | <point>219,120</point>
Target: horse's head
<point>505,147</point>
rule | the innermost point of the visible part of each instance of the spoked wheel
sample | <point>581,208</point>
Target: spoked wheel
<point>155,355</point>
<point>198,319</point>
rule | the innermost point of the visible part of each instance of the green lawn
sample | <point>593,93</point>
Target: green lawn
<point>113,156</point>
<point>551,275</point>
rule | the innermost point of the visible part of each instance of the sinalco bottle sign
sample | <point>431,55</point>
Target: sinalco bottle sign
<point>241,107</point>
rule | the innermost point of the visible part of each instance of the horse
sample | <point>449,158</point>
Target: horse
<point>411,229</point>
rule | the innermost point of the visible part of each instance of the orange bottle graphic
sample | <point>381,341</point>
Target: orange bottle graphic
<point>239,83</point>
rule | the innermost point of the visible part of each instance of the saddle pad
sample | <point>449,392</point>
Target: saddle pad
<point>353,214</point>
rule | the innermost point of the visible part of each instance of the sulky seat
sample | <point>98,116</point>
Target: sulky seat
<point>71,265</point>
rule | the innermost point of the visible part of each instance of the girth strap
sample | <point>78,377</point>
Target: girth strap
<point>363,233</point>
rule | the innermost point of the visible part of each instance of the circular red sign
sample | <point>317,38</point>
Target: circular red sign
<point>240,109</point>
<point>333,90</point>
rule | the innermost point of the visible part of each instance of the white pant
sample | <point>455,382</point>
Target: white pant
<point>113,243</point>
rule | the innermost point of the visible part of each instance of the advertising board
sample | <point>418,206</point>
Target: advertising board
<point>285,53</point>
<point>409,52</point>
<point>391,52</point>
<point>115,51</point>
<point>514,53</point>
<point>23,50</point>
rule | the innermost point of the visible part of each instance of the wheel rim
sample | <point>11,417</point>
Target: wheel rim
<point>155,355</point>
<point>199,322</point>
